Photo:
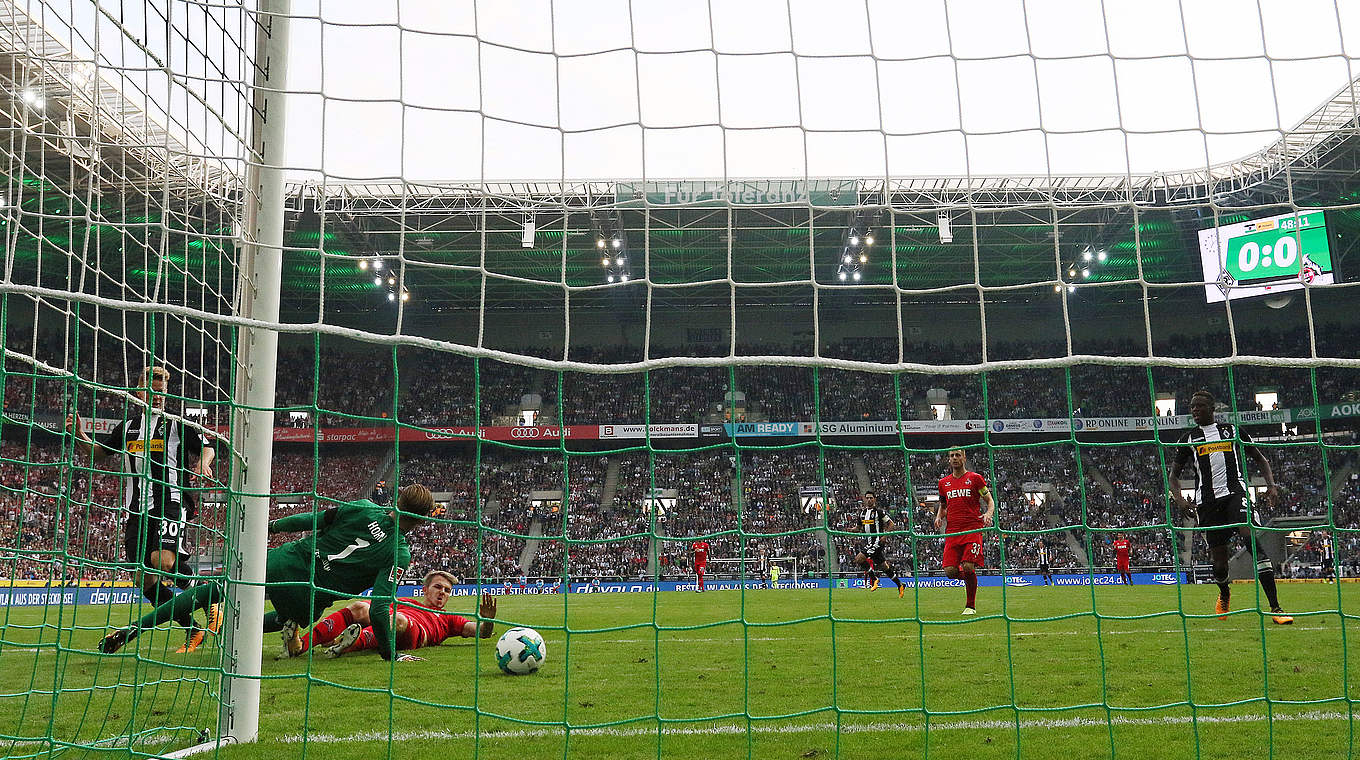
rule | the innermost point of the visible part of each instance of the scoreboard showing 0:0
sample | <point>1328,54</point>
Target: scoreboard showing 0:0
<point>1266,256</point>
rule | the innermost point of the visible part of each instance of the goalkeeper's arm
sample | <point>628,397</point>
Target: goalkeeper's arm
<point>381,612</point>
<point>303,521</point>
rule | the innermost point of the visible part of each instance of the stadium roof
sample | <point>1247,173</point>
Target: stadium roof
<point>96,172</point>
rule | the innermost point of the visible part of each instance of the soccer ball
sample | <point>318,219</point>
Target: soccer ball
<point>521,651</point>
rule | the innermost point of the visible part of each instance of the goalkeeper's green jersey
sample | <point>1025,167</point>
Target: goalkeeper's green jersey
<point>353,544</point>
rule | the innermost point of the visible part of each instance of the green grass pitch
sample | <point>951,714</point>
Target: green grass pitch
<point>760,674</point>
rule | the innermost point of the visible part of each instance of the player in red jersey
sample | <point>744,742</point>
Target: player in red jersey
<point>963,494</point>
<point>419,622</point>
<point>700,562</point>
<point>1121,558</point>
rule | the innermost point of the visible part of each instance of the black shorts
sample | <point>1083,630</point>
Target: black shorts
<point>1228,510</point>
<point>875,553</point>
<point>1043,570</point>
<point>147,533</point>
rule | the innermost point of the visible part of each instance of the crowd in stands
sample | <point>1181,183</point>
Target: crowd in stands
<point>353,385</point>
<point>609,534</point>
<point>604,528</point>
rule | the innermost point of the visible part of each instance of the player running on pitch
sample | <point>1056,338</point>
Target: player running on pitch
<point>875,523</point>
<point>963,494</point>
<point>420,622</point>
<point>1221,492</point>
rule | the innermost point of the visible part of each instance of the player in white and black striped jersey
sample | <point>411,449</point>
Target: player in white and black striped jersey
<point>1327,557</point>
<point>1210,449</point>
<point>875,524</point>
<point>158,495</point>
<point>1043,562</point>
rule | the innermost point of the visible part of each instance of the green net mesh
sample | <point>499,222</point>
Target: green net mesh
<point>592,377</point>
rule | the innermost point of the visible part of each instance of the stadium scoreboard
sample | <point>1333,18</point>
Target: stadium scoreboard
<point>1267,256</point>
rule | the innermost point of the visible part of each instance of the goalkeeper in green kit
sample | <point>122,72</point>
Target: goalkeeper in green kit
<point>356,545</point>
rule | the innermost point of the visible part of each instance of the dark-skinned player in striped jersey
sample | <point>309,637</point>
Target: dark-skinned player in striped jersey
<point>1210,449</point>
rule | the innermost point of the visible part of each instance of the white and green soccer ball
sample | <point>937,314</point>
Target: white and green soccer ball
<point>521,651</point>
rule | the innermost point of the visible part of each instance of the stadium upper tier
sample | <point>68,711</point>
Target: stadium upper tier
<point>351,385</point>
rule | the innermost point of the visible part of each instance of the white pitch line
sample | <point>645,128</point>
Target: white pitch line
<point>770,727</point>
<point>759,727</point>
<point>930,634</point>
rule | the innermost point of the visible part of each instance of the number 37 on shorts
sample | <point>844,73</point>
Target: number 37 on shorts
<point>959,549</point>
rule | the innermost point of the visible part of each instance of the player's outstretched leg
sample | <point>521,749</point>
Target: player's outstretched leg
<point>198,597</point>
<point>328,628</point>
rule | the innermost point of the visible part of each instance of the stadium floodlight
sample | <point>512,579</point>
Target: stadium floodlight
<point>623,277</point>
<point>868,239</point>
<point>377,280</point>
<point>942,223</point>
<point>1071,271</point>
<point>854,240</point>
<point>1057,288</point>
<point>405,295</point>
<point>391,280</point>
<point>391,296</point>
<point>33,98</point>
<point>599,243</point>
<point>1071,288</point>
<point>618,262</point>
<point>526,238</point>
<point>604,262</point>
<point>610,278</point>
<point>1101,256</point>
<point>842,274</point>
<point>863,259</point>
<point>363,263</point>
<point>617,242</point>
<point>1085,274</point>
<point>856,277</point>
<point>1086,255</point>
<point>377,263</point>
<point>846,259</point>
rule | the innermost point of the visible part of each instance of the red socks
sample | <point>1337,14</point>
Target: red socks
<point>970,585</point>
<point>325,631</point>
<point>367,640</point>
<point>700,573</point>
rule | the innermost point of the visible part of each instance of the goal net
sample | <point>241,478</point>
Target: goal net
<point>624,284</point>
<point>122,149</point>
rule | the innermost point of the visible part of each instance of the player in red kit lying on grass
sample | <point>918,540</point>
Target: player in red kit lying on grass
<point>419,622</point>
